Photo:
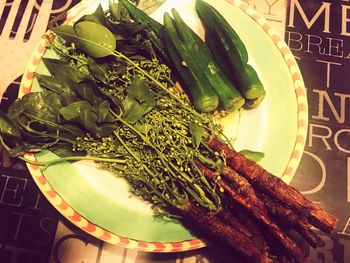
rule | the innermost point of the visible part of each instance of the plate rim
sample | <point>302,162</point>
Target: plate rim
<point>81,222</point>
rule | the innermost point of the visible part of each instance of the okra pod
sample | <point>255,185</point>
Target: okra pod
<point>234,51</point>
<point>203,96</point>
<point>230,98</point>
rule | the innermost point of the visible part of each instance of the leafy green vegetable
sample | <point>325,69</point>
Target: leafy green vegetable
<point>138,102</point>
<point>93,38</point>
<point>99,71</point>
<point>42,105</point>
<point>36,116</point>
<point>119,103</point>
<point>50,83</point>
<point>10,135</point>
<point>89,34</point>
<point>67,32</point>
<point>97,17</point>
<point>73,110</point>
<point>197,133</point>
<point>252,155</point>
<point>62,71</point>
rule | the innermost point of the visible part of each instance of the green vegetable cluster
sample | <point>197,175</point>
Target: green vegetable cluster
<point>230,52</point>
<point>215,73</point>
<point>109,99</point>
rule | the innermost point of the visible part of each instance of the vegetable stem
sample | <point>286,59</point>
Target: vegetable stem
<point>46,164</point>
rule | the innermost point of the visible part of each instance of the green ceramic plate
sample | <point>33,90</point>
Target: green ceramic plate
<point>100,204</point>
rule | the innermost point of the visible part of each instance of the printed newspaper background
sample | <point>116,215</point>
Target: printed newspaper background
<point>317,33</point>
<point>32,231</point>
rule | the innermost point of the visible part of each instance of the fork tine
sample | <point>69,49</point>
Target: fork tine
<point>42,19</point>
<point>11,18</point>
<point>25,20</point>
<point>2,7</point>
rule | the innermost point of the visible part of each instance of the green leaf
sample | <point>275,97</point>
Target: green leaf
<point>50,83</point>
<point>98,16</point>
<point>67,81</point>
<point>141,92</point>
<point>62,71</point>
<point>138,102</point>
<point>196,132</point>
<point>105,130</point>
<point>114,8</point>
<point>252,155</point>
<point>133,110</point>
<point>98,71</point>
<point>36,115</point>
<point>84,90</point>
<point>73,110</point>
<point>118,12</point>
<point>125,28</point>
<point>68,98</point>
<point>66,32</point>
<point>143,128</point>
<point>88,118</point>
<point>94,39</point>
<point>102,111</point>
<point>71,131</point>
<point>10,136</point>
<point>7,126</point>
<point>93,120</point>
<point>43,105</point>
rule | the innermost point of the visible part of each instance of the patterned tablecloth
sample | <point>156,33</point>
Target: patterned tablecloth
<point>30,229</point>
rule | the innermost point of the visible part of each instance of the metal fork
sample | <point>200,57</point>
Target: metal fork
<point>15,51</point>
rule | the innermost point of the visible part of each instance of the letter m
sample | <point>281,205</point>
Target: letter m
<point>325,8</point>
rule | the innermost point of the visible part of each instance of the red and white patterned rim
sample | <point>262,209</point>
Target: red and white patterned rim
<point>67,211</point>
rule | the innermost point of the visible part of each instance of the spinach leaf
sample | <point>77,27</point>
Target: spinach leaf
<point>43,105</point>
<point>102,111</point>
<point>73,110</point>
<point>84,90</point>
<point>62,70</point>
<point>51,83</point>
<point>97,121</point>
<point>98,70</point>
<point>36,116</point>
<point>10,136</point>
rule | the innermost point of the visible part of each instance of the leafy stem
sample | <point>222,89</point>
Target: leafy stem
<point>152,174</point>
<point>197,193</point>
<point>46,164</point>
<point>158,83</point>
